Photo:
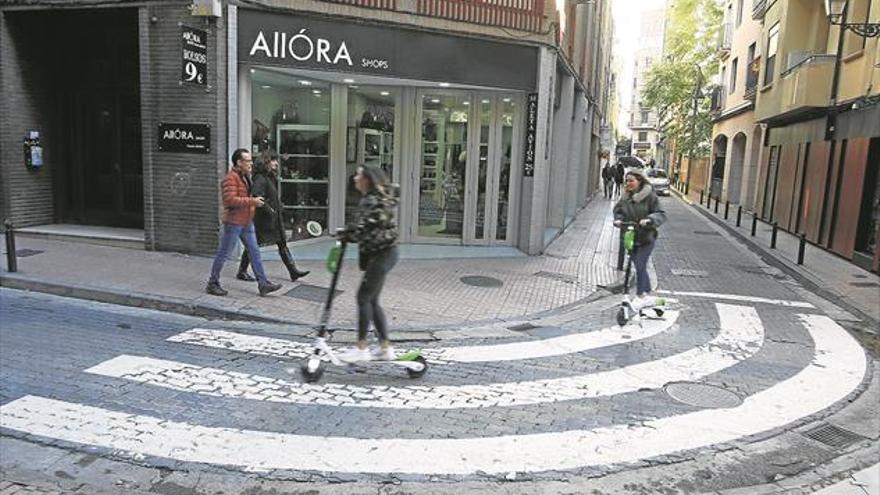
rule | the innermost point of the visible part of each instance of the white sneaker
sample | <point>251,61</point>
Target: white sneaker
<point>385,354</point>
<point>355,355</point>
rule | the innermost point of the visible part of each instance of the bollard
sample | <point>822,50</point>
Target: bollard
<point>687,188</point>
<point>701,198</point>
<point>716,205</point>
<point>11,261</point>
<point>773,236</point>
<point>620,251</point>
<point>726,209</point>
<point>739,215</point>
<point>801,248</point>
<point>754,223</point>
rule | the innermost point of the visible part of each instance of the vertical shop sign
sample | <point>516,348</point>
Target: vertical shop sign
<point>531,134</point>
<point>195,56</point>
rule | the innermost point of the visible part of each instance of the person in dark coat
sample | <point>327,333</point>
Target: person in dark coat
<point>268,219</point>
<point>640,205</point>
<point>618,178</point>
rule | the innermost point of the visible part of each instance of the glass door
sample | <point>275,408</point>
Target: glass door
<point>442,166</point>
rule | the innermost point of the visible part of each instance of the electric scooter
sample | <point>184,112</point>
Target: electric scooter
<point>630,309</point>
<point>412,361</point>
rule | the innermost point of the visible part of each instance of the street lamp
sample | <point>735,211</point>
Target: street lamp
<point>835,10</point>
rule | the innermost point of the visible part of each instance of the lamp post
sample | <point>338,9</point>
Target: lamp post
<point>698,95</point>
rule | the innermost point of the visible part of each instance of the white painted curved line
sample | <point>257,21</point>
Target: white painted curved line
<point>740,337</point>
<point>739,298</point>
<point>837,369</point>
<point>533,349</point>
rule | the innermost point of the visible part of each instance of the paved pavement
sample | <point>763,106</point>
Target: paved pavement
<point>420,293</point>
<point>746,385</point>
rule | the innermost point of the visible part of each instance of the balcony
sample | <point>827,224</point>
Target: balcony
<point>725,39</point>
<point>718,99</point>
<point>751,90</point>
<point>803,88</point>
<point>759,9</point>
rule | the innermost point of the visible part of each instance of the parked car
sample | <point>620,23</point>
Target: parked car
<point>659,181</point>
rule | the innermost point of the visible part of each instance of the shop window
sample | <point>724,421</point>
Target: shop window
<point>369,137</point>
<point>485,112</point>
<point>508,116</point>
<point>291,117</point>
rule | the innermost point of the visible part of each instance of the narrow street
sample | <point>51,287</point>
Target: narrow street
<point>745,382</point>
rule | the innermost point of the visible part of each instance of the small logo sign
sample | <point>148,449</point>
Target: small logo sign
<point>531,134</point>
<point>184,138</point>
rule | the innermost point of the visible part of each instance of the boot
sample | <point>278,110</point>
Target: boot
<point>269,287</point>
<point>214,289</point>
<point>286,257</point>
<point>296,273</point>
<point>244,275</point>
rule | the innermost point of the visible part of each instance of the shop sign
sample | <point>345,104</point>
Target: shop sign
<point>184,138</point>
<point>194,69</point>
<point>267,38</point>
<point>641,146</point>
<point>531,134</point>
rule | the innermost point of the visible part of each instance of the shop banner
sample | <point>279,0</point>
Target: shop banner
<point>184,138</point>
<point>293,41</point>
<point>531,134</point>
<point>195,56</point>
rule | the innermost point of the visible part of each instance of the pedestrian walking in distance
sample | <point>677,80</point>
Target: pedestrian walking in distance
<point>640,205</point>
<point>375,233</point>
<point>238,223</point>
<point>618,178</point>
<point>608,179</point>
<point>268,220</point>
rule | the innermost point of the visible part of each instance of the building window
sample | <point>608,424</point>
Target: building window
<point>734,66</point>
<point>644,117</point>
<point>739,12</point>
<point>859,11</point>
<point>751,68</point>
<point>643,136</point>
<point>772,45</point>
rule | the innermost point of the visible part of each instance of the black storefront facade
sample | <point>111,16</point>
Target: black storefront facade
<point>461,124</point>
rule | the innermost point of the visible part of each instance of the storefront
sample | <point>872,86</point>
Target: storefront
<point>444,116</point>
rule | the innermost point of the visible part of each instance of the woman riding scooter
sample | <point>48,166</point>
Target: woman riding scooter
<point>640,205</point>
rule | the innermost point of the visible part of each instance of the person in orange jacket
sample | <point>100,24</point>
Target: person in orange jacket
<point>238,223</point>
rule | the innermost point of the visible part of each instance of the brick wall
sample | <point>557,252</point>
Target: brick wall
<point>185,219</point>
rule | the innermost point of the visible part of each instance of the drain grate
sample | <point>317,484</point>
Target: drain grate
<point>686,272</point>
<point>702,395</point>
<point>833,436</point>
<point>556,276</point>
<point>522,327</point>
<point>864,285</point>
<point>311,293</point>
<point>480,281</point>
<point>706,232</point>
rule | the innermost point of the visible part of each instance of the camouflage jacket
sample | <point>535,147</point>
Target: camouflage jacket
<point>375,229</point>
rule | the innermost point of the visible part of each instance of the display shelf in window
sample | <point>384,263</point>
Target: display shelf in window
<point>304,174</point>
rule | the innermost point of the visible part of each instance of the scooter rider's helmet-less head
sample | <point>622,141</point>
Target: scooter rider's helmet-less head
<point>370,178</point>
<point>635,180</point>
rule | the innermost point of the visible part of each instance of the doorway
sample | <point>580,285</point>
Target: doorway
<point>466,171</point>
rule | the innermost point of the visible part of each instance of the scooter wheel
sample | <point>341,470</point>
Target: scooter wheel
<point>621,317</point>
<point>418,374</point>
<point>311,376</point>
<point>659,312</point>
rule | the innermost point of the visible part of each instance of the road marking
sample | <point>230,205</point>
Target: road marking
<point>533,349</point>
<point>736,297</point>
<point>740,337</point>
<point>837,369</point>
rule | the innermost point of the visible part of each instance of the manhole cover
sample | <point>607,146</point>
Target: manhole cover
<point>311,293</point>
<point>706,232</point>
<point>24,253</point>
<point>479,281</point>
<point>833,436</point>
<point>685,272</point>
<point>556,276</point>
<point>702,395</point>
<point>864,285</point>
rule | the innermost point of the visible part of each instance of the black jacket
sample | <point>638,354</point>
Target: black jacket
<point>643,204</point>
<point>268,221</point>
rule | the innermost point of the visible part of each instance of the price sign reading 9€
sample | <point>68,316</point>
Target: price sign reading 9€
<point>195,56</point>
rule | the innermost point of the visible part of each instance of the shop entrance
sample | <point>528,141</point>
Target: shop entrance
<point>98,91</point>
<point>463,186</point>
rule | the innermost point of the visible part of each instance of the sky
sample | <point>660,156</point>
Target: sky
<point>626,27</point>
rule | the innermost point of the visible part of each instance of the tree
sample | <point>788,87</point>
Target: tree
<point>690,61</point>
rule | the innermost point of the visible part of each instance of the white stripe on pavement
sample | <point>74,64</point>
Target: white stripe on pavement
<point>556,346</point>
<point>838,368</point>
<point>741,335</point>
<point>736,297</point>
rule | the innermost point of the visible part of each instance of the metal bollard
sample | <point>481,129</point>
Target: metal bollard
<point>701,198</point>
<point>726,209</point>
<point>801,248</point>
<point>739,215</point>
<point>11,261</point>
<point>687,188</point>
<point>754,224</point>
<point>773,236</point>
<point>716,205</point>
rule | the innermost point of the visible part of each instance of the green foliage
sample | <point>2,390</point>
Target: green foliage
<point>690,61</point>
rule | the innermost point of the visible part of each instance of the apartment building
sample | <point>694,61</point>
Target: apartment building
<point>487,114</point>
<point>736,137</point>
<point>817,95</point>
<point>644,121</point>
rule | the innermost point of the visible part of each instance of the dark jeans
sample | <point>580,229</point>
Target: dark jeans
<point>640,261</point>
<point>368,293</point>
<point>283,251</point>
<point>231,234</point>
<point>617,186</point>
<point>609,188</point>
